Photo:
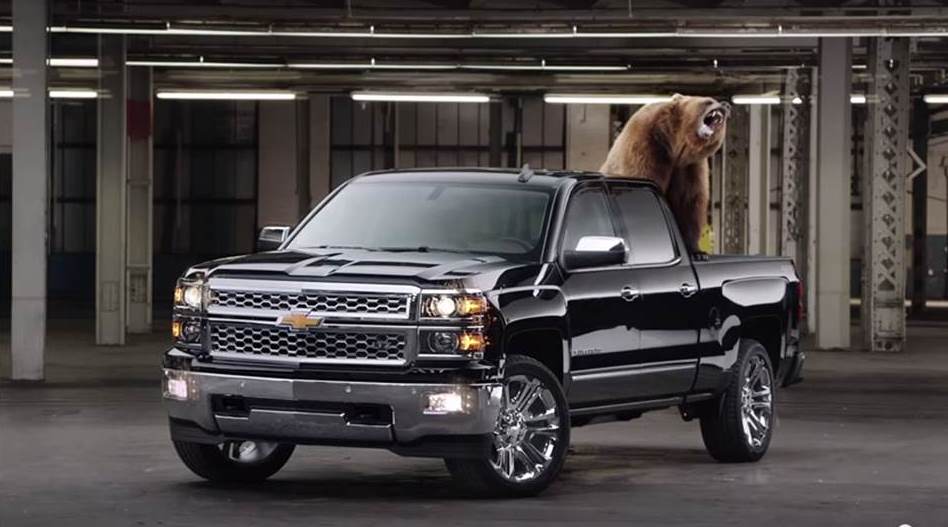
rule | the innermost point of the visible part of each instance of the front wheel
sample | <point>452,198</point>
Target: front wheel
<point>234,461</point>
<point>530,439</point>
<point>738,427</point>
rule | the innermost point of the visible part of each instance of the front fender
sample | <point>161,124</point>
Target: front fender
<point>533,308</point>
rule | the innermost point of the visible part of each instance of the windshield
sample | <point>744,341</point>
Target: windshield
<point>501,219</point>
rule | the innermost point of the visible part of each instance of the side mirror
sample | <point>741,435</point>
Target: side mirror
<point>596,251</point>
<point>271,237</point>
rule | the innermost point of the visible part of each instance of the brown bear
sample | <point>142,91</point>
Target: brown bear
<point>670,143</point>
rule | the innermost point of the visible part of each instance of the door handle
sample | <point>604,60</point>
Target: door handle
<point>687,289</point>
<point>629,293</point>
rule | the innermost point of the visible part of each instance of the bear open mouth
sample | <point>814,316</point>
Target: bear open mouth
<point>715,118</point>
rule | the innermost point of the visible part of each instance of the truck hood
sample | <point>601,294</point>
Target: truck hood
<point>359,265</point>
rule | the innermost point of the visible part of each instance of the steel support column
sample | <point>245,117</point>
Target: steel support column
<point>758,179</point>
<point>111,196</point>
<point>794,207</point>
<point>883,295</point>
<point>29,184</point>
<point>734,202</point>
<point>140,210</point>
<point>833,195</point>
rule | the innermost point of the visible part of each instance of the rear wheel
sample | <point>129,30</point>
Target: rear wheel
<point>234,461</point>
<point>530,439</point>
<point>738,427</point>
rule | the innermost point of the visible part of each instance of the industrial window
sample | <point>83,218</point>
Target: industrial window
<point>205,184</point>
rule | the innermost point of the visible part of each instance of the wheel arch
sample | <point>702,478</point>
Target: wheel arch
<point>768,331</point>
<point>547,345</point>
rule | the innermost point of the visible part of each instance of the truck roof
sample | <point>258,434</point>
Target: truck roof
<point>538,177</point>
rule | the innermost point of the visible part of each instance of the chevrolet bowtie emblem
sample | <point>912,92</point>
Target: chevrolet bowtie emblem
<point>299,321</point>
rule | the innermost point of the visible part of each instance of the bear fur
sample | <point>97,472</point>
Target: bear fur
<point>670,143</point>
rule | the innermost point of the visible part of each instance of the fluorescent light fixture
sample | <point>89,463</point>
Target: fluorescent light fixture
<point>525,34</point>
<point>857,98</point>
<point>6,93</point>
<point>227,95</point>
<point>6,29</point>
<point>420,97</point>
<point>73,93</point>
<point>201,64</point>
<point>543,66</point>
<point>797,100</point>
<point>936,98</point>
<point>63,62</point>
<point>369,66</point>
<point>579,98</point>
<point>756,99</point>
<point>74,62</point>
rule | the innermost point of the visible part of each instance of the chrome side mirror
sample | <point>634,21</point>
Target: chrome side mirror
<point>271,237</point>
<point>596,251</point>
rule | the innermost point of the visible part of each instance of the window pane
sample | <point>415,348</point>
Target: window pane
<point>647,232</point>
<point>588,215</point>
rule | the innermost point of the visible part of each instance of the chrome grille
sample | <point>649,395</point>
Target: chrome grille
<point>315,345</point>
<point>330,304</point>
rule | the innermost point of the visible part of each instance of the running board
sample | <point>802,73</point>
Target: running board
<point>652,404</point>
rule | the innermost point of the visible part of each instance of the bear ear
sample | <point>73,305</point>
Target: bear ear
<point>677,97</point>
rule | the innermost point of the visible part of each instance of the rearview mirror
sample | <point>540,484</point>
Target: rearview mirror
<point>271,237</point>
<point>595,251</point>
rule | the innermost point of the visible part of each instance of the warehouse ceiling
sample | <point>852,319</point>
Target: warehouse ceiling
<point>604,45</point>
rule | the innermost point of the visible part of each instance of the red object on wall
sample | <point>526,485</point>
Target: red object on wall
<point>138,119</point>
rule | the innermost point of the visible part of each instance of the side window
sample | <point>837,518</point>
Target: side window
<point>646,231</point>
<point>587,215</point>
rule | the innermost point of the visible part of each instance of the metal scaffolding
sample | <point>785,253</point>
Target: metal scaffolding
<point>796,167</point>
<point>734,201</point>
<point>887,134</point>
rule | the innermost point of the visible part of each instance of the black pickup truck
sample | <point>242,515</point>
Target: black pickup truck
<point>475,315</point>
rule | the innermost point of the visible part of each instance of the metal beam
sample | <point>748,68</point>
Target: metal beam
<point>921,129</point>
<point>794,207</point>
<point>758,181</point>
<point>833,195</point>
<point>735,184</point>
<point>111,194</point>
<point>30,180</point>
<point>887,134</point>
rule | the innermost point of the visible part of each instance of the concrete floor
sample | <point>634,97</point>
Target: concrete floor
<point>861,442</point>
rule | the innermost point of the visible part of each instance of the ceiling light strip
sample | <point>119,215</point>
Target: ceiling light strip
<point>226,95</point>
<point>579,98</point>
<point>420,97</point>
<point>769,32</point>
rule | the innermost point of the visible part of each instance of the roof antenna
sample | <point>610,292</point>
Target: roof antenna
<point>525,173</point>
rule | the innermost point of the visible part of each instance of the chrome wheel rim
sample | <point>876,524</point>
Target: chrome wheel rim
<point>247,451</point>
<point>757,404</point>
<point>527,430</point>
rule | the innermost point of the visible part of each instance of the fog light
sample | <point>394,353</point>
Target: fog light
<point>176,385</point>
<point>444,403</point>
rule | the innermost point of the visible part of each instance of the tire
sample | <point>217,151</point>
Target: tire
<point>521,437</point>
<point>221,463</point>
<point>730,434</point>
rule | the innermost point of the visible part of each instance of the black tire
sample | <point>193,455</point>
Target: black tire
<point>723,428</point>
<point>480,475</point>
<point>211,463</point>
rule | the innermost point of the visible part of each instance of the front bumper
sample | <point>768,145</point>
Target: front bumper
<point>213,407</point>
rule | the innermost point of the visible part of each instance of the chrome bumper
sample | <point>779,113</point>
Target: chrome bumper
<point>305,413</point>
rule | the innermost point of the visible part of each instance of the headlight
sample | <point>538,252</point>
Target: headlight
<point>453,305</point>
<point>189,293</point>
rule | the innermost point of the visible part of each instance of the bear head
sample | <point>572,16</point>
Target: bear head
<point>694,127</point>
